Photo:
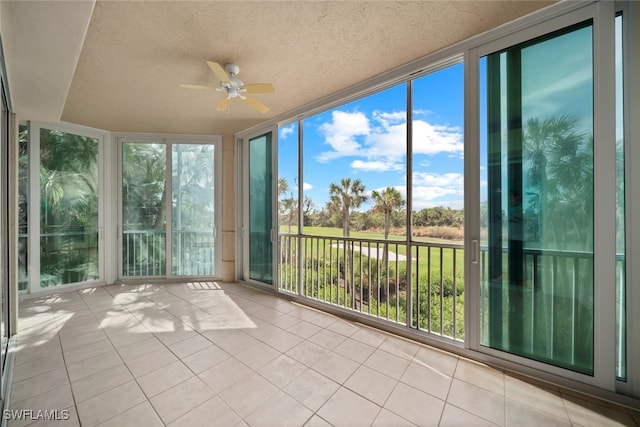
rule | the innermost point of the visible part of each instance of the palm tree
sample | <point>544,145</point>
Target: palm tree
<point>143,185</point>
<point>283,185</point>
<point>387,201</point>
<point>348,194</point>
<point>560,185</point>
<point>345,196</point>
<point>69,201</point>
<point>555,152</point>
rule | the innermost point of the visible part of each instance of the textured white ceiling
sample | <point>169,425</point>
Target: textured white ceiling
<point>136,53</point>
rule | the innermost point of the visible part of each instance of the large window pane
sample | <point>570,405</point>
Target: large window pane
<point>537,153</point>
<point>288,206</point>
<point>438,201</point>
<point>68,208</point>
<point>193,209</point>
<point>354,247</point>
<point>351,152</point>
<point>143,209</point>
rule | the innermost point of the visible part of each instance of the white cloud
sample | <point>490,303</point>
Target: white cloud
<point>454,180</point>
<point>341,132</point>
<point>381,139</point>
<point>434,139</point>
<point>376,165</point>
<point>387,119</point>
<point>424,193</point>
<point>421,112</point>
<point>388,141</point>
<point>286,131</point>
<point>427,197</point>
<point>306,186</point>
<point>430,188</point>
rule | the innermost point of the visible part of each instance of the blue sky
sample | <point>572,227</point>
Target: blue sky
<point>366,139</point>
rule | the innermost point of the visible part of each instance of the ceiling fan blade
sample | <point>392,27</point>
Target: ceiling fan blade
<point>259,88</point>
<point>218,71</point>
<point>223,104</point>
<point>257,105</point>
<point>199,87</point>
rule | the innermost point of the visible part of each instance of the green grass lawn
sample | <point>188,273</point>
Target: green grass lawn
<point>321,247</point>
<point>337,232</point>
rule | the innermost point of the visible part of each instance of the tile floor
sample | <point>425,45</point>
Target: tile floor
<point>216,354</point>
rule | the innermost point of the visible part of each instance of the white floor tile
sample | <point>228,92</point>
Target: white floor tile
<point>224,352</point>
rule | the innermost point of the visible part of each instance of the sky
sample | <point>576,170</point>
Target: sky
<point>366,140</point>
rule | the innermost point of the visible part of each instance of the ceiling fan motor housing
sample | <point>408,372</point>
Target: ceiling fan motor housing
<point>232,69</point>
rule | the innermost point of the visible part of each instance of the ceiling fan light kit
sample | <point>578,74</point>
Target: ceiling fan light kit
<point>234,87</point>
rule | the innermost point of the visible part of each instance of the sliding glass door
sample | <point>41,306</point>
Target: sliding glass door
<point>64,183</point>
<point>260,209</point>
<point>193,210</point>
<point>551,199</point>
<point>144,210</point>
<point>69,191</point>
<point>168,209</point>
<point>537,281</point>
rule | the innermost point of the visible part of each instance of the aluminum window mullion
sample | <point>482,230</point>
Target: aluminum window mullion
<point>168,228</point>
<point>630,34</point>
<point>33,244</point>
<point>471,199</point>
<point>300,204</point>
<point>409,207</point>
<point>604,165</point>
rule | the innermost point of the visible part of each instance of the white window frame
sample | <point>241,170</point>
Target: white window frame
<point>242,235</point>
<point>169,140</point>
<point>33,231</point>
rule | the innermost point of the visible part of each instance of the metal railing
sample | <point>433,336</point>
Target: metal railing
<point>144,253</point>
<point>193,252</point>
<point>71,257</point>
<point>369,276</point>
<point>68,257</point>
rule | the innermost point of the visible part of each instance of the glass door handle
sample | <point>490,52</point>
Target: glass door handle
<point>474,251</point>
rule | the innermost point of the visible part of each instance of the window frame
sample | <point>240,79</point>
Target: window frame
<point>168,140</point>
<point>33,242</point>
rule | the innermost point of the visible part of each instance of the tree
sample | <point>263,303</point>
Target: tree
<point>69,207</point>
<point>289,209</point>
<point>307,210</point>
<point>345,196</point>
<point>283,186</point>
<point>558,172</point>
<point>386,202</point>
<point>560,180</point>
<point>143,186</point>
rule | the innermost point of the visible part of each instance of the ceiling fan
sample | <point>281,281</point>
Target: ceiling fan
<point>234,87</point>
